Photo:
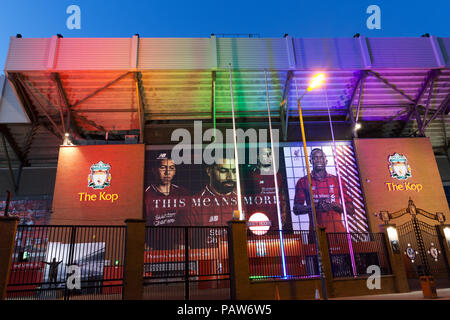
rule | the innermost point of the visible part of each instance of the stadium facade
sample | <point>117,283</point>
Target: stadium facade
<point>92,130</point>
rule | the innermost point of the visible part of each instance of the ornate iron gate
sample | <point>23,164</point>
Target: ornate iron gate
<point>421,244</point>
<point>421,249</point>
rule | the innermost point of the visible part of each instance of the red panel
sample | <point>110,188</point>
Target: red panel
<point>386,191</point>
<point>77,203</point>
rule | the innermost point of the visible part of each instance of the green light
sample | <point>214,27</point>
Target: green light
<point>117,262</point>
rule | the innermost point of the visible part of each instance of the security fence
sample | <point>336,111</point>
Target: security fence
<point>369,249</point>
<point>282,254</point>
<point>186,263</point>
<point>88,262</point>
<point>67,262</point>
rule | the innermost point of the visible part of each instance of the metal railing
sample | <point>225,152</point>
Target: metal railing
<point>266,258</point>
<point>67,262</point>
<point>186,263</point>
<point>369,249</point>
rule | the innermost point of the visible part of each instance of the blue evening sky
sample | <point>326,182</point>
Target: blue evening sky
<point>199,18</point>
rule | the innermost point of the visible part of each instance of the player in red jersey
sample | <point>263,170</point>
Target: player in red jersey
<point>214,205</point>
<point>326,196</point>
<point>164,200</point>
<point>263,195</point>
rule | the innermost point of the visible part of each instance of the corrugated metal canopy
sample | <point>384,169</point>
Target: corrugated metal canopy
<point>105,81</point>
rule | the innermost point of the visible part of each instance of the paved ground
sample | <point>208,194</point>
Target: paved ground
<point>443,294</point>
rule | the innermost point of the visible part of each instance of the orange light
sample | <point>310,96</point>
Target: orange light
<point>316,81</point>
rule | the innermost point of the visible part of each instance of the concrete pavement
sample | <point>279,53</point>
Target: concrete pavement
<point>443,294</point>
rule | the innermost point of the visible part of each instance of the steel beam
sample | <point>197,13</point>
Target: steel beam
<point>362,75</point>
<point>284,112</point>
<point>392,86</point>
<point>431,77</point>
<point>89,122</point>
<point>69,117</point>
<point>441,109</point>
<point>213,100</point>
<point>413,109</point>
<point>29,140</point>
<point>141,104</point>
<point>13,181</point>
<point>13,144</point>
<point>360,96</point>
<point>28,105</point>
<point>427,106</point>
<point>23,97</point>
<point>29,87</point>
<point>49,128</point>
<point>100,89</point>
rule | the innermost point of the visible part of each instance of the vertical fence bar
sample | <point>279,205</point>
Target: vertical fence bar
<point>186,263</point>
<point>86,246</point>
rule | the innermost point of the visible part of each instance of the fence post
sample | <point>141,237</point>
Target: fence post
<point>186,263</point>
<point>239,264</point>
<point>8,228</point>
<point>397,265</point>
<point>326,262</point>
<point>443,229</point>
<point>133,278</point>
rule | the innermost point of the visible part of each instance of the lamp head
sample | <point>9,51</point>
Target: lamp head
<point>316,81</point>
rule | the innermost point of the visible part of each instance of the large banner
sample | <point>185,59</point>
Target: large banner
<point>98,184</point>
<point>338,199</point>
<point>393,171</point>
<point>200,194</point>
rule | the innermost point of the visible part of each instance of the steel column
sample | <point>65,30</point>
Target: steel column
<point>28,87</point>
<point>9,162</point>
<point>69,118</point>
<point>362,75</point>
<point>284,105</point>
<point>213,101</point>
<point>393,87</point>
<point>12,143</point>
<point>141,105</point>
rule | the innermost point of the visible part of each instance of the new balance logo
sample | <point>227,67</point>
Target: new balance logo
<point>213,218</point>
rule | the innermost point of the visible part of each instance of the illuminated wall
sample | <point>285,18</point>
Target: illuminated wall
<point>326,189</point>
<point>394,170</point>
<point>98,184</point>
<point>190,193</point>
<point>198,194</point>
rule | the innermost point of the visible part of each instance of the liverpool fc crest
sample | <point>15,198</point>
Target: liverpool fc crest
<point>398,167</point>
<point>99,178</point>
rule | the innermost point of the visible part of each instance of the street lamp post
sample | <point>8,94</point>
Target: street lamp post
<point>316,81</point>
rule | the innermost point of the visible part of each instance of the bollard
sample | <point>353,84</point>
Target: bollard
<point>8,227</point>
<point>428,287</point>
<point>134,260</point>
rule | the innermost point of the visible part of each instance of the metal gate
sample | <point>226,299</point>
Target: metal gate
<point>67,262</point>
<point>183,263</point>
<point>421,246</point>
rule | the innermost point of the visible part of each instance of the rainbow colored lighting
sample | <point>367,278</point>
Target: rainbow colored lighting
<point>316,81</point>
